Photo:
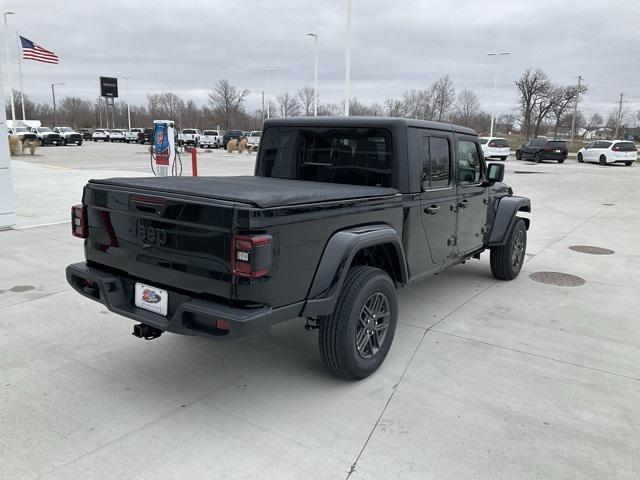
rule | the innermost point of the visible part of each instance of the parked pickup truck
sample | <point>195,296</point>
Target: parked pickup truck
<point>211,139</point>
<point>190,136</point>
<point>339,214</point>
<point>135,135</point>
<point>68,135</point>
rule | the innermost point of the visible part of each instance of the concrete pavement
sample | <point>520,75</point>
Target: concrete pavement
<point>485,379</point>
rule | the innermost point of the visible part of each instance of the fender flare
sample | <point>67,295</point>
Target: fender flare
<point>505,217</point>
<point>338,256</point>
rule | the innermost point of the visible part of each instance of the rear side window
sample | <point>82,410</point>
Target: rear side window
<point>625,147</point>
<point>353,156</point>
<point>469,168</point>
<point>436,163</point>
<point>499,143</point>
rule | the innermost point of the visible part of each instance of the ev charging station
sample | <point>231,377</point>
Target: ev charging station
<point>163,149</point>
<point>7,209</point>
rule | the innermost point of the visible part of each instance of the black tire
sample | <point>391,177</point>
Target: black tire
<point>603,160</point>
<point>340,331</point>
<point>95,140</point>
<point>580,158</point>
<point>79,142</point>
<point>628,164</point>
<point>504,159</point>
<point>561,160</point>
<point>507,260</point>
<point>64,142</point>
<point>518,155</point>
<point>537,158</point>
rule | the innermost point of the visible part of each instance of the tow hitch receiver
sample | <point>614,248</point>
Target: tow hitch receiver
<point>145,331</point>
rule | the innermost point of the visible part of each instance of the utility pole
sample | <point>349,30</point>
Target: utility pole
<point>347,62</point>
<point>8,60</point>
<point>619,119</point>
<point>575,111</point>
<point>53,94</point>
<point>315,75</point>
<point>128,102</point>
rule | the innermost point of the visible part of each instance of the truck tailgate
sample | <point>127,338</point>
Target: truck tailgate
<point>165,239</point>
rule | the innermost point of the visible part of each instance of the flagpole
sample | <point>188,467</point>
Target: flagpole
<point>8,58</point>
<point>24,117</point>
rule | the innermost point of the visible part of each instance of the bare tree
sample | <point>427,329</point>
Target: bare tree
<point>288,105</point>
<point>467,108</point>
<point>533,87</point>
<point>443,95</point>
<point>376,110</point>
<point>228,100</point>
<point>507,121</point>
<point>565,100</point>
<point>305,98</point>
<point>415,104</point>
<point>595,121</point>
<point>393,107</point>
<point>330,109</point>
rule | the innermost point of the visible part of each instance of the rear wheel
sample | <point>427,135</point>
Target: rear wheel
<point>537,158</point>
<point>580,158</point>
<point>603,160</point>
<point>628,164</point>
<point>504,159</point>
<point>507,260</point>
<point>518,155</point>
<point>561,160</point>
<point>356,337</point>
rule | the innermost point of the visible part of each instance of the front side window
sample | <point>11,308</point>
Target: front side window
<point>353,156</point>
<point>436,166</point>
<point>469,168</point>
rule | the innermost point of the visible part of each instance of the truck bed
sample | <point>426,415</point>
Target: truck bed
<point>261,192</point>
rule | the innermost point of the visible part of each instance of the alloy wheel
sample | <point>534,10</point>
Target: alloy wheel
<point>373,323</point>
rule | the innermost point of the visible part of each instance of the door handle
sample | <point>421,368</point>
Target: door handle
<point>432,209</point>
<point>463,204</point>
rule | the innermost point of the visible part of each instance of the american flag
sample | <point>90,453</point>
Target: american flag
<point>33,51</point>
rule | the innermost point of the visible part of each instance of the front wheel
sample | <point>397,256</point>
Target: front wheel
<point>356,337</point>
<point>580,158</point>
<point>518,155</point>
<point>504,159</point>
<point>507,260</point>
<point>537,158</point>
<point>561,160</point>
<point>603,160</point>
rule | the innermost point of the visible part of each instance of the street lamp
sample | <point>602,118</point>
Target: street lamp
<point>6,49</point>
<point>495,85</point>
<point>128,101</point>
<point>268,72</point>
<point>347,61</point>
<point>315,75</point>
<point>53,94</point>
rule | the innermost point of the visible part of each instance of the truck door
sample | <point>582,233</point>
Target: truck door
<point>471,206</point>
<point>438,197</point>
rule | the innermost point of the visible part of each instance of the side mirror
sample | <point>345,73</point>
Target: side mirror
<point>495,172</point>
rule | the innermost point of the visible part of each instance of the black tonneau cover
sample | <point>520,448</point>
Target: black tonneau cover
<point>263,192</point>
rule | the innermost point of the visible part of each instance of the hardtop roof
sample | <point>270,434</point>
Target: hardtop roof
<point>366,122</point>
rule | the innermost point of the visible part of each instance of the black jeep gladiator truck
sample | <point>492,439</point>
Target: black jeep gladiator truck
<point>339,214</point>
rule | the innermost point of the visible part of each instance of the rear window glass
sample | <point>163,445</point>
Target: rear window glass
<point>234,132</point>
<point>255,134</point>
<point>210,132</point>
<point>625,146</point>
<point>499,143</point>
<point>188,131</point>
<point>557,144</point>
<point>353,156</point>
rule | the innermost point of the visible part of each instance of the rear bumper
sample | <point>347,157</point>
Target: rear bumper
<point>187,315</point>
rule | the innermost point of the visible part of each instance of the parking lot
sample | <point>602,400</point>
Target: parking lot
<point>486,379</point>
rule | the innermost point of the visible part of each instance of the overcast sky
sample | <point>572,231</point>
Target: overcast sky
<point>398,45</point>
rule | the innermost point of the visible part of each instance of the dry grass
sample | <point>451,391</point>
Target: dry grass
<point>14,145</point>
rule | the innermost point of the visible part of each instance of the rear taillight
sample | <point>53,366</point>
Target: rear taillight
<point>79,227</point>
<point>251,255</point>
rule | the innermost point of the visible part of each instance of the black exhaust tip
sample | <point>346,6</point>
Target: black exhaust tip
<point>145,331</point>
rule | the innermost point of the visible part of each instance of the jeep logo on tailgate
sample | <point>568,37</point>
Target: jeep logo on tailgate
<point>157,236</point>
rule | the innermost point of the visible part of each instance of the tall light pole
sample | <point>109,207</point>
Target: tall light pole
<point>53,94</point>
<point>8,59</point>
<point>268,72</point>
<point>315,75</point>
<point>495,85</point>
<point>347,62</point>
<point>128,101</point>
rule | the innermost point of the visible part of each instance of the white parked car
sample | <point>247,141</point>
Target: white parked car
<point>69,135</point>
<point>210,138</point>
<point>253,140</point>
<point>100,134</point>
<point>117,135</point>
<point>495,147</point>
<point>190,136</point>
<point>135,135</point>
<point>46,136</point>
<point>609,151</point>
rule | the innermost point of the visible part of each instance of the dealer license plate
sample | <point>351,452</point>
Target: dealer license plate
<point>153,299</point>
